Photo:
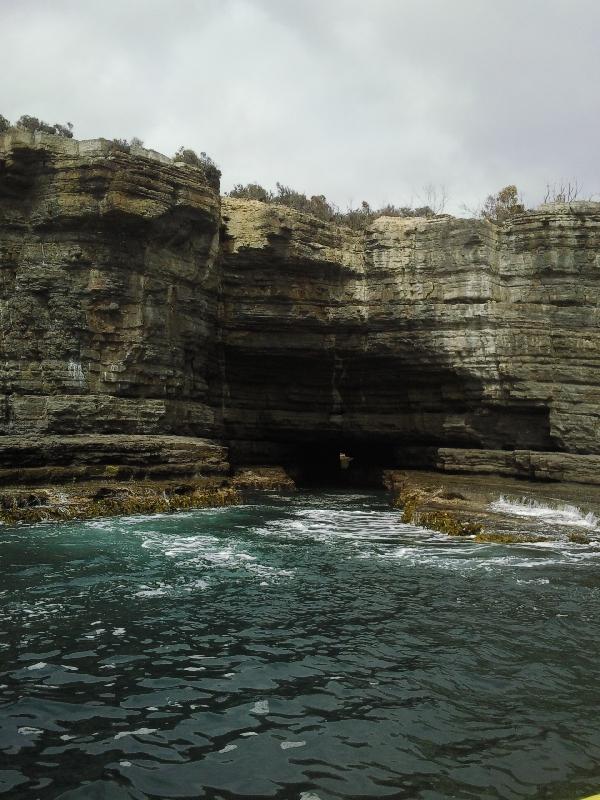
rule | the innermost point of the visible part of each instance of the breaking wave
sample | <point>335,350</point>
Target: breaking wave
<point>561,515</point>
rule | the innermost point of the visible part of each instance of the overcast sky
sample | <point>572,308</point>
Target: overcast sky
<point>354,99</point>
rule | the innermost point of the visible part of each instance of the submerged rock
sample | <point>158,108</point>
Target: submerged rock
<point>509,538</point>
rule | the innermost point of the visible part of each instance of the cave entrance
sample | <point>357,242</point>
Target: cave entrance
<point>340,463</point>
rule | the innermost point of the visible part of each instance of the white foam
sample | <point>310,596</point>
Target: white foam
<point>205,552</point>
<point>334,524</point>
<point>287,745</point>
<point>561,515</point>
<point>151,593</point>
<point>261,707</point>
<point>167,589</point>
<point>138,732</point>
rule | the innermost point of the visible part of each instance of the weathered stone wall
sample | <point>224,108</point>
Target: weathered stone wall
<point>134,303</point>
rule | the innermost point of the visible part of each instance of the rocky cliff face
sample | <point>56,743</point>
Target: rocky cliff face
<point>421,341</point>
<point>134,302</point>
<point>108,291</point>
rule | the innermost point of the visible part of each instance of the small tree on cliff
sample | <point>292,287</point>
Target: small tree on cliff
<point>503,205</point>
<point>203,161</point>
<point>4,124</point>
<point>34,124</point>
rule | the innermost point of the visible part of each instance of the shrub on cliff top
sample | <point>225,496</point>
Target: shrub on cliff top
<point>4,124</point>
<point>203,161</point>
<point>251,191</point>
<point>124,146</point>
<point>34,124</point>
<point>562,192</point>
<point>318,205</point>
<point>503,205</point>
<point>120,146</point>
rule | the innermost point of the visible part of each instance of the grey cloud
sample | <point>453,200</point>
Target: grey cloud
<point>356,100</point>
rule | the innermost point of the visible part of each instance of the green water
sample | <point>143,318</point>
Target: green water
<point>305,648</point>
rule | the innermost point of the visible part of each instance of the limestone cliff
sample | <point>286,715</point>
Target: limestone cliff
<point>134,302</point>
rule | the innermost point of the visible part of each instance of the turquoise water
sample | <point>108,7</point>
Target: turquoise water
<point>305,648</point>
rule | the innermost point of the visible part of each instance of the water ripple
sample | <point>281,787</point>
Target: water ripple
<point>307,650</point>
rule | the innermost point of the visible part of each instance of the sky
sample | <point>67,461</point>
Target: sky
<point>376,100</point>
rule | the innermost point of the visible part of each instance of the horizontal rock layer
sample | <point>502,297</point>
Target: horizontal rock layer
<point>447,332</point>
<point>54,459</point>
<point>108,288</point>
<point>135,302</point>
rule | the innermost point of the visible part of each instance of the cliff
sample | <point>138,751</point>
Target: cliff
<point>139,312</point>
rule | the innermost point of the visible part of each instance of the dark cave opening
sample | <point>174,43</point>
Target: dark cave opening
<point>339,463</point>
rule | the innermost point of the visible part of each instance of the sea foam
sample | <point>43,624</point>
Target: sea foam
<point>560,515</point>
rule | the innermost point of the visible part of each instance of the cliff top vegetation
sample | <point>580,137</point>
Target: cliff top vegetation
<point>185,155</point>
<point>318,205</point>
<point>498,207</point>
<point>34,124</point>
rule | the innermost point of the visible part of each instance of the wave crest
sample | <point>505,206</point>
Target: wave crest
<point>561,515</point>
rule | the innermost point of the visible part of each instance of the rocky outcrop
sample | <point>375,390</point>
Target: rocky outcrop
<point>495,510</point>
<point>134,302</point>
<point>90,499</point>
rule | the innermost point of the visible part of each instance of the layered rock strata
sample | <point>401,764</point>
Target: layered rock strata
<point>442,342</point>
<point>109,279</point>
<point>134,302</point>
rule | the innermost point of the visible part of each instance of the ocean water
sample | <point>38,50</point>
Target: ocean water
<point>306,648</point>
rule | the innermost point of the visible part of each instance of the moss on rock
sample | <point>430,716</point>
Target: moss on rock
<point>269,479</point>
<point>578,538</point>
<point>412,499</point>
<point>509,538</point>
<point>107,501</point>
<point>446,522</point>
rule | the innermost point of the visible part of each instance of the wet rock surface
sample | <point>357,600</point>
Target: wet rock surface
<point>491,509</point>
<point>93,500</point>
